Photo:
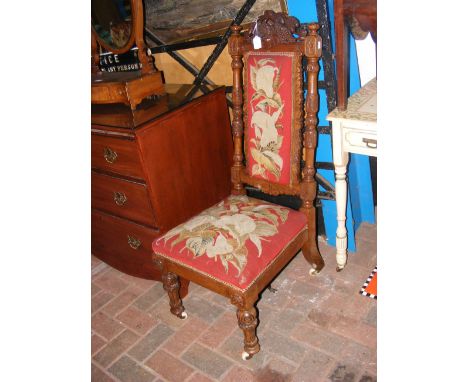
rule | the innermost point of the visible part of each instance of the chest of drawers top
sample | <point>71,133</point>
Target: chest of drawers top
<point>121,116</point>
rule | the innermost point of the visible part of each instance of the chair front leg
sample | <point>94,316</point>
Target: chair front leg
<point>248,322</point>
<point>171,285</point>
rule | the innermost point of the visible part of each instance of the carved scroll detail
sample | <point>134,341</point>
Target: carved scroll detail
<point>275,28</point>
<point>237,300</point>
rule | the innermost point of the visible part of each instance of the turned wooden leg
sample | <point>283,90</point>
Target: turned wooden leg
<point>248,322</point>
<point>171,285</point>
<point>341,190</point>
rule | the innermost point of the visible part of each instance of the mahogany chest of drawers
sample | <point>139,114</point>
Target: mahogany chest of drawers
<point>147,172</point>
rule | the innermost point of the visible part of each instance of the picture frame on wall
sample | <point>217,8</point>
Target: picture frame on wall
<point>176,21</point>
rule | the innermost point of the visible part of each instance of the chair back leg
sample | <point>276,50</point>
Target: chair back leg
<point>310,249</point>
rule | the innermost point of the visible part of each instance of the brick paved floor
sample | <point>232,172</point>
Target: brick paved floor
<point>313,329</point>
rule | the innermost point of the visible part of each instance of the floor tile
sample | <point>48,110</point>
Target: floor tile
<point>105,326</point>
<point>281,345</point>
<point>371,317</point>
<point>368,377</point>
<point>111,283</point>
<point>127,370</point>
<point>151,342</point>
<point>169,367</point>
<point>97,343</point>
<point>323,340</point>
<point>98,375</point>
<point>344,373</point>
<point>360,355</point>
<point>123,300</point>
<point>285,321</point>
<point>115,348</point>
<point>239,374</point>
<point>203,309</point>
<point>184,337</point>
<point>100,300</point>
<point>150,297</point>
<point>206,360</point>
<point>355,330</point>
<point>137,320</point>
<point>314,367</point>
<point>220,330</point>
<point>198,377</point>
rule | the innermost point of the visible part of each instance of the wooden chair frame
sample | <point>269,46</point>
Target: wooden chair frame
<point>280,38</point>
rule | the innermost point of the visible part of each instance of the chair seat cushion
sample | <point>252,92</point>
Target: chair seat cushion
<point>233,241</point>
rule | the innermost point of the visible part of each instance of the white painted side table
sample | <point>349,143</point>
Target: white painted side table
<point>354,130</point>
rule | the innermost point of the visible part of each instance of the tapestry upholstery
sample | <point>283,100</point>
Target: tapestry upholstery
<point>269,95</point>
<point>233,241</point>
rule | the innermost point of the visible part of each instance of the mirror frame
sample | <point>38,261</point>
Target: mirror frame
<point>136,14</point>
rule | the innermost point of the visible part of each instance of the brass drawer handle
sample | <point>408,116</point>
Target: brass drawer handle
<point>133,242</point>
<point>109,155</point>
<point>371,143</point>
<point>120,198</point>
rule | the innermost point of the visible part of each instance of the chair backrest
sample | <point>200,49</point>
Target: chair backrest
<point>268,106</point>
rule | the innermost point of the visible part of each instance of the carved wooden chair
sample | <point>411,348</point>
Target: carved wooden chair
<point>237,247</point>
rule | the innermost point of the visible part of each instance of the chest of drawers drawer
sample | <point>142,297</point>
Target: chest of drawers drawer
<point>123,244</point>
<point>116,155</point>
<point>127,199</point>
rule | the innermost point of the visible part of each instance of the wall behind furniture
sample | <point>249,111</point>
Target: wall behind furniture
<point>174,73</point>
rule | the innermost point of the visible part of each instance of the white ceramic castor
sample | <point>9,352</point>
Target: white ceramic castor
<point>246,356</point>
<point>312,272</point>
<point>184,315</point>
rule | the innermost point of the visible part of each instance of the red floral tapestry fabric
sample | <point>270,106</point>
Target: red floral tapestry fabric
<point>233,241</point>
<point>269,116</point>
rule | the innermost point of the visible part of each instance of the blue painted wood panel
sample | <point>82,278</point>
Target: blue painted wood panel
<point>360,206</point>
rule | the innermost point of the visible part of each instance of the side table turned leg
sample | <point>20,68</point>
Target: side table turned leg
<point>341,190</point>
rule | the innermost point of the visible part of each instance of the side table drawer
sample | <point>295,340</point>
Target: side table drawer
<point>360,141</point>
<point>122,198</point>
<point>122,244</point>
<point>116,155</point>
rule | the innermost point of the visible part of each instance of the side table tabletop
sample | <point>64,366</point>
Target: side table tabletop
<point>354,130</point>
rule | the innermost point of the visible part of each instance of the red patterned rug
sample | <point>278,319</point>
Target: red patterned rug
<point>369,288</point>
